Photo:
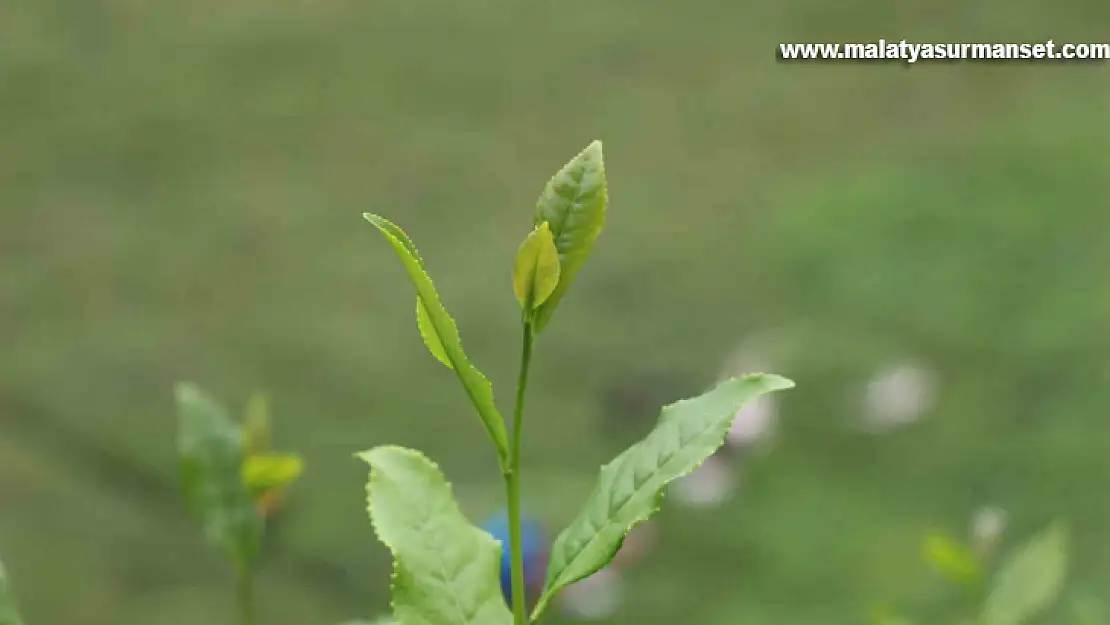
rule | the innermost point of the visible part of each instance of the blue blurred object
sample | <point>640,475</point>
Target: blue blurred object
<point>534,546</point>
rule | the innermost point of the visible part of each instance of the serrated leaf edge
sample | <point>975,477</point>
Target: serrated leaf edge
<point>548,594</point>
<point>431,339</point>
<point>531,299</point>
<point>395,561</point>
<point>494,423</point>
<point>546,311</point>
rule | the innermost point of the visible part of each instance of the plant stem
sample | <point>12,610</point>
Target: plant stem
<point>512,483</point>
<point>245,592</point>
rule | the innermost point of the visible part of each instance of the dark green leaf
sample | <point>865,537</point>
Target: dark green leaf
<point>210,445</point>
<point>631,487</point>
<point>445,570</point>
<point>9,614</point>
<point>475,384</point>
<point>1030,578</point>
<point>573,202</point>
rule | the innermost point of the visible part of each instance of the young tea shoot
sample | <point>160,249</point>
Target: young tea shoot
<point>446,570</point>
<point>231,479</point>
<point>1027,582</point>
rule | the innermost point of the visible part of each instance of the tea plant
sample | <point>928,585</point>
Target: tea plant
<point>445,570</point>
<point>1027,582</point>
<point>231,479</point>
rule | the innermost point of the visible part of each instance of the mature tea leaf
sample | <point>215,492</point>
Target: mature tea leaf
<point>428,333</point>
<point>441,324</point>
<point>573,202</point>
<point>211,449</point>
<point>263,472</point>
<point>445,570</point>
<point>1030,579</point>
<point>536,270</point>
<point>953,561</point>
<point>631,487</point>
<point>9,615</point>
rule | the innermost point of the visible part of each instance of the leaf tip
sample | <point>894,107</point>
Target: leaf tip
<point>382,455</point>
<point>772,381</point>
<point>595,153</point>
<point>379,222</point>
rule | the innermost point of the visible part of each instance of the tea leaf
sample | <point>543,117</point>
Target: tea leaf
<point>263,472</point>
<point>536,270</point>
<point>9,615</point>
<point>428,333</point>
<point>445,570</point>
<point>953,561</point>
<point>210,446</point>
<point>630,488</point>
<point>1030,579</point>
<point>573,202</point>
<point>442,326</point>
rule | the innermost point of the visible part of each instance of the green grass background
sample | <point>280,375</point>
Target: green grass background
<point>181,186</point>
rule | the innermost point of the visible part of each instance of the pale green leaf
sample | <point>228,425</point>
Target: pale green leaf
<point>955,562</point>
<point>475,384</point>
<point>631,487</point>
<point>536,270</point>
<point>445,570</point>
<point>256,425</point>
<point>573,202</point>
<point>1030,578</point>
<point>9,614</point>
<point>210,446</point>
<point>262,472</point>
<point>428,333</point>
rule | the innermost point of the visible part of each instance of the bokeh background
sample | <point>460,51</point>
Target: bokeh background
<point>181,186</point>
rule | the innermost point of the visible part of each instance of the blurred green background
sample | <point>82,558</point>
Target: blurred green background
<point>181,186</point>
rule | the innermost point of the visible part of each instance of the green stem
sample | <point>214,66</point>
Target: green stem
<point>245,594</point>
<point>512,483</point>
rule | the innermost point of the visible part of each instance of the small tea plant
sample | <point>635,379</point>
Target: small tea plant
<point>231,479</point>
<point>1027,581</point>
<point>446,570</point>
